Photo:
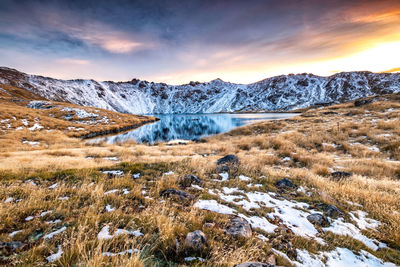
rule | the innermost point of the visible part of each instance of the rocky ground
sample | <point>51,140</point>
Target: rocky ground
<point>320,189</point>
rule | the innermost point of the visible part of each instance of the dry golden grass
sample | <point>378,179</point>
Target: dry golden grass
<point>307,148</point>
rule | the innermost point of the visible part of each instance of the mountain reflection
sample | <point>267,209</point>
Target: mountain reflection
<point>189,126</point>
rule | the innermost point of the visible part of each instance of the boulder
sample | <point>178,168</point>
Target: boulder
<point>339,175</point>
<point>228,160</point>
<point>189,179</point>
<point>285,183</point>
<point>254,264</point>
<point>177,194</point>
<point>330,210</point>
<point>362,102</point>
<point>318,219</point>
<point>196,240</point>
<point>239,227</point>
<point>229,164</point>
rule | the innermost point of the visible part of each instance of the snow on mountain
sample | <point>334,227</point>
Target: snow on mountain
<point>283,92</point>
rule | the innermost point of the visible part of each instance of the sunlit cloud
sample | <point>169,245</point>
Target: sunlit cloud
<point>73,61</point>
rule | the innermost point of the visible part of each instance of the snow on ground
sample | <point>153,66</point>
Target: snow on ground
<point>111,191</point>
<point>104,234</point>
<point>14,233</point>
<point>32,143</point>
<point>339,257</point>
<point>136,175</point>
<point>189,259</point>
<point>128,251</point>
<point>197,187</point>
<point>80,113</point>
<point>224,176</point>
<point>44,213</point>
<point>340,227</point>
<point>49,236</point>
<point>35,127</point>
<point>213,205</point>
<point>244,178</point>
<point>291,213</point>
<point>169,173</point>
<point>109,208</point>
<point>56,256</point>
<point>8,200</point>
<point>114,172</point>
<point>53,186</point>
<point>360,217</point>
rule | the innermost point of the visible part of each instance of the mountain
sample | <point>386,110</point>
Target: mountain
<point>285,92</point>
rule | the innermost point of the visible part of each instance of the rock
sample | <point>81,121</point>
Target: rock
<point>254,264</point>
<point>284,184</point>
<point>229,164</point>
<point>339,175</point>
<point>177,194</point>
<point>228,160</point>
<point>7,248</point>
<point>189,179</point>
<point>221,169</point>
<point>362,102</point>
<point>196,240</point>
<point>318,219</point>
<point>209,225</point>
<point>330,210</point>
<point>239,227</point>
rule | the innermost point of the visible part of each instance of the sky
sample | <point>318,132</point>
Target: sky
<point>178,41</point>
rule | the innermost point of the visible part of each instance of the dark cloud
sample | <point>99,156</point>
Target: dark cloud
<point>167,36</point>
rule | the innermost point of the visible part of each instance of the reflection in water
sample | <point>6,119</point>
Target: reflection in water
<point>189,126</point>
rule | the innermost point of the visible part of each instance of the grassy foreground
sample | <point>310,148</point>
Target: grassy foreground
<point>63,187</point>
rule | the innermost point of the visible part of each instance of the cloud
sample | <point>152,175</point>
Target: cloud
<point>73,61</point>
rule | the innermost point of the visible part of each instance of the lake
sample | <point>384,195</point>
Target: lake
<point>189,126</point>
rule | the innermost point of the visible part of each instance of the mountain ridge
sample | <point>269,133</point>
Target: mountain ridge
<point>283,92</point>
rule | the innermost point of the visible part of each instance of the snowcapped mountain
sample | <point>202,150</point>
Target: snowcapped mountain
<point>283,92</point>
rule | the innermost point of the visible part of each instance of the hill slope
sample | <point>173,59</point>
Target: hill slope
<point>284,92</point>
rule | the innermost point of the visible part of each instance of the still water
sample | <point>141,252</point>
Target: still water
<point>189,126</point>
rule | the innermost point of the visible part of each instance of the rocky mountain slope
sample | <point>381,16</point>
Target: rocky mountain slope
<point>283,92</point>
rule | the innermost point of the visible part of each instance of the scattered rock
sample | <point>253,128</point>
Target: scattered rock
<point>189,179</point>
<point>7,248</point>
<point>330,210</point>
<point>254,264</point>
<point>330,113</point>
<point>228,159</point>
<point>362,102</point>
<point>229,164</point>
<point>318,219</point>
<point>284,184</point>
<point>339,175</point>
<point>209,225</point>
<point>177,194</point>
<point>239,227</point>
<point>196,240</point>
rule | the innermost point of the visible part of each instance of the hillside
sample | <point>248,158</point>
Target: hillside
<point>318,189</point>
<point>28,121</point>
<point>286,92</point>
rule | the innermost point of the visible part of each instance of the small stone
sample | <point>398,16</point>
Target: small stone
<point>177,194</point>
<point>362,102</point>
<point>8,248</point>
<point>318,219</point>
<point>229,164</point>
<point>239,227</point>
<point>196,240</point>
<point>339,175</point>
<point>285,183</point>
<point>330,210</point>
<point>209,225</point>
<point>188,179</point>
